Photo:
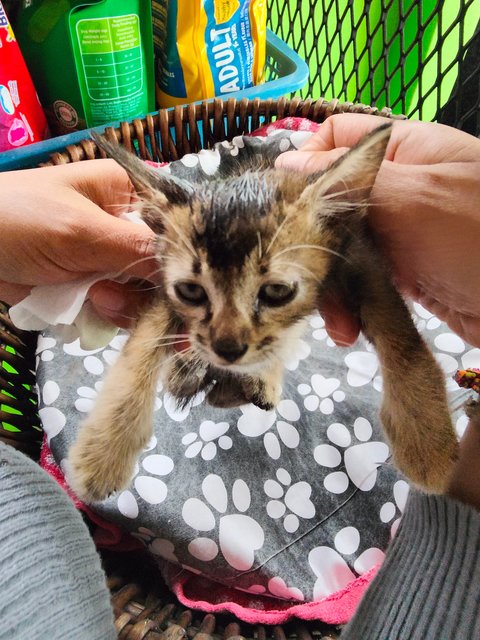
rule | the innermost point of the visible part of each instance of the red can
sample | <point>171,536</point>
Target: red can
<point>22,120</point>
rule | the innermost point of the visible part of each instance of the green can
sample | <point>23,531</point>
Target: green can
<point>91,61</point>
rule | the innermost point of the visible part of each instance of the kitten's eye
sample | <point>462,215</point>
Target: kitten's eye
<point>277,294</point>
<point>190,293</point>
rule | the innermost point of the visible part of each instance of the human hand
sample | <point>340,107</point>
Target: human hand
<point>464,482</point>
<point>424,212</point>
<point>60,224</point>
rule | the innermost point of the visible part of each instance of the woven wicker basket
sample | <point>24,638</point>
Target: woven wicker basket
<point>144,608</point>
<point>169,134</point>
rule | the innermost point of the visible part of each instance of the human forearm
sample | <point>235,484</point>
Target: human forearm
<point>428,223</point>
<point>429,583</point>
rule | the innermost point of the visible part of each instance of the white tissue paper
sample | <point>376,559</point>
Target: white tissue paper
<point>65,306</point>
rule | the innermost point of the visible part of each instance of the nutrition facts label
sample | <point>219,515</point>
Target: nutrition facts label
<point>111,55</point>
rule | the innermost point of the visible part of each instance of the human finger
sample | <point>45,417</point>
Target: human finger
<point>109,245</point>
<point>342,130</point>
<point>119,303</point>
<point>309,161</point>
<point>104,182</point>
<point>12,293</point>
<point>342,327</point>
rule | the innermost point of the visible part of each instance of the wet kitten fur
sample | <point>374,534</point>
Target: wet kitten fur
<point>239,238</point>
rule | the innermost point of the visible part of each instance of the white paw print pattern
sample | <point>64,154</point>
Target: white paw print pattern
<point>235,145</point>
<point>255,422</point>
<point>278,588</point>
<point>301,352</point>
<point>92,361</point>
<point>87,397</point>
<point>158,546</point>
<point>208,160</point>
<point>317,323</point>
<point>461,424</point>
<point>146,483</point>
<point>392,511</point>
<point>423,319</point>
<point>451,348</point>
<point>204,443</point>
<point>287,496</point>
<point>332,572</point>
<point>53,420</point>
<point>176,412</point>
<point>361,460</point>
<point>363,367</point>
<point>239,535</point>
<point>321,394</point>
<point>44,348</point>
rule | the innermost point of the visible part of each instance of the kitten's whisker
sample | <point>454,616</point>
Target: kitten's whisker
<point>277,232</point>
<point>259,238</point>
<point>164,340</point>
<point>164,345</point>
<point>335,194</point>
<point>178,355</point>
<point>115,205</point>
<point>189,364</point>
<point>126,316</point>
<point>295,247</point>
<point>171,357</point>
<point>181,236</point>
<point>300,266</point>
<point>162,238</point>
<point>151,273</point>
<point>151,288</point>
<point>133,264</point>
<point>174,356</point>
<point>162,363</point>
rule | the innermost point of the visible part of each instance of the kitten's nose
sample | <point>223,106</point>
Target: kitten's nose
<point>228,349</point>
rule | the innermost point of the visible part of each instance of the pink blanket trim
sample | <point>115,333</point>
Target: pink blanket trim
<point>291,124</point>
<point>337,608</point>
<point>191,588</point>
<point>107,535</point>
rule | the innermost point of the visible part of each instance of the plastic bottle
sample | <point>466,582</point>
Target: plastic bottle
<point>22,120</point>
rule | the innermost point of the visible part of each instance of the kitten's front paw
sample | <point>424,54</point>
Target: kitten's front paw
<point>95,470</point>
<point>262,393</point>
<point>185,379</point>
<point>260,402</point>
<point>226,394</point>
<point>427,457</point>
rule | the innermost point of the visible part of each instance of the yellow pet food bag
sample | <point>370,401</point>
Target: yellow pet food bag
<point>207,48</point>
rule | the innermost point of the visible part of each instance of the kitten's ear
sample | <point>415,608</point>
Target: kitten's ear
<point>148,182</point>
<point>353,174</point>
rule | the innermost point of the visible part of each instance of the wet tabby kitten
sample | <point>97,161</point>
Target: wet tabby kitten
<point>245,258</point>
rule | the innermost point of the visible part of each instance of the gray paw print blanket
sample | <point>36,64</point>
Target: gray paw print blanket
<point>266,514</point>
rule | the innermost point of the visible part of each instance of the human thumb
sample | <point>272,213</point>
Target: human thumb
<point>121,247</point>
<point>309,161</point>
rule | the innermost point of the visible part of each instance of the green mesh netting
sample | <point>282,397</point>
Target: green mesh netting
<point>419,57</point>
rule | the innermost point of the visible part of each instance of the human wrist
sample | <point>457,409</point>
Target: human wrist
<point>427,220</point>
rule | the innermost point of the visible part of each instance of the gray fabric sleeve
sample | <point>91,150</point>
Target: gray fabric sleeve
<point>429,584</point>
<point>51,581</point>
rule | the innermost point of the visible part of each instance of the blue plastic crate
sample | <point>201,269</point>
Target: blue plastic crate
<point>286,72</point>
